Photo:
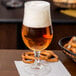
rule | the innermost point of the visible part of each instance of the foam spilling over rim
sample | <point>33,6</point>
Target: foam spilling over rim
<point>37,14</point>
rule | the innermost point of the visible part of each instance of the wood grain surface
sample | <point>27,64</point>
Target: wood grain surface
<point>7,58</point>
<point>8,36</point>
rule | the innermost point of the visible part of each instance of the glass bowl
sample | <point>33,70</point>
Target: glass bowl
<point>62,42</point>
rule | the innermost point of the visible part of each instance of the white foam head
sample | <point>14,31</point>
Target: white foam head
<point>37,14</point>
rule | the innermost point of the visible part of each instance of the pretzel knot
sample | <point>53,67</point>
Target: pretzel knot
<point>71,45</point>
<point>28,57</point>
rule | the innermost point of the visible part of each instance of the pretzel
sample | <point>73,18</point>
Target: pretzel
<point>71,45</point>
<point>28,57</point>
<point>67,46</point>
<point>50,55</point>
<point>73,50</point>
<point>44,55</point>
<point>27,60</point>
<point>53,57</point>
<point>70,41</point>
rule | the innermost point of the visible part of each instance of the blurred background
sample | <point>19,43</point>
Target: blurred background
<point>11,17</point>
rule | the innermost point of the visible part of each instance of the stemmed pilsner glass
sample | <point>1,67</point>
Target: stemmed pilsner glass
<point>37,31</point>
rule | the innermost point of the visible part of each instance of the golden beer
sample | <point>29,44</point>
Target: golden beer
<point>37,28</point>
<point>37,38</point>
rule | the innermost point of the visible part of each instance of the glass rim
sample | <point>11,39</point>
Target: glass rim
<point>27,3</point>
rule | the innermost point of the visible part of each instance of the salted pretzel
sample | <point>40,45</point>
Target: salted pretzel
<point>73,50</point>
<point>28,57</point>
<point>44,55</point>
<point>71,45</point>
<point>53,57</point>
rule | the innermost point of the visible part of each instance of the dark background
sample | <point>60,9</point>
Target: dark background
<point>11,23</point>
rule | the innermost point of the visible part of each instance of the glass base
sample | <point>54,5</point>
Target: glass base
<point>38,70</point>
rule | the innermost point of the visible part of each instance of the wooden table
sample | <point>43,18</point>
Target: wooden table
<point>7,58</point>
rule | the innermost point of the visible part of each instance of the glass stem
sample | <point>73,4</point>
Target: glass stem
<point>37,60</point>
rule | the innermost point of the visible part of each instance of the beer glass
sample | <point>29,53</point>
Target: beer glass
<point>37,32</point>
